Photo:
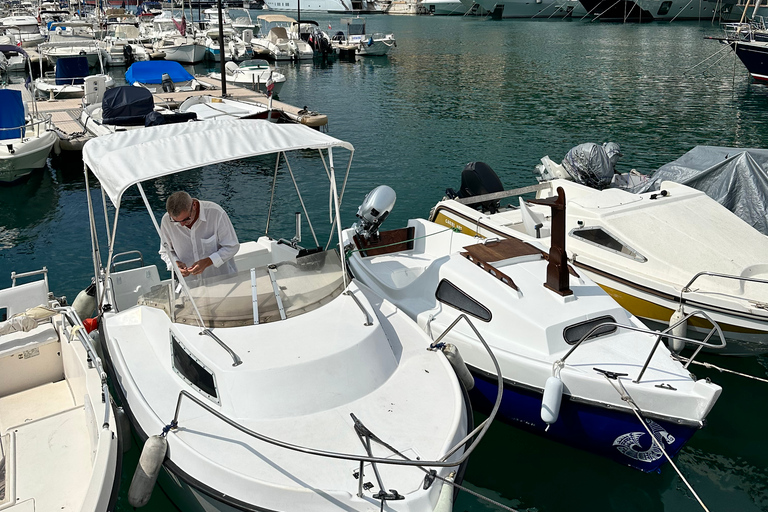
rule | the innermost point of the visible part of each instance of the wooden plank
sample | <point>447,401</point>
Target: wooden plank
<point>502,250</point>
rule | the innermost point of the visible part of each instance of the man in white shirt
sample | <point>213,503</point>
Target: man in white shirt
<point>198,236</point>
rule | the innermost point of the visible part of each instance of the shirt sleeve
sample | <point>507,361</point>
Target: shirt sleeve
<point>225,233</point>
<point>165,239</point>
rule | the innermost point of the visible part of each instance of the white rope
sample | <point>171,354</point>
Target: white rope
<point>627,398</point>
<point>726,370</point>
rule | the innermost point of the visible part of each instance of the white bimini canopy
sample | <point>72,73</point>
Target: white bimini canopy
<point>122,159</point>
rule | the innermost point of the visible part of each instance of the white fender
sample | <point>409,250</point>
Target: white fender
<point>679,330</point>
<point>150,462</point>
<point>550,402</point>
<point>457,362</point>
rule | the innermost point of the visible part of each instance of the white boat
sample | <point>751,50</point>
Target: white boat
<point>68,79</point>
<point>337,369</point>
<point>544,321</point>
<point>333,6</point>
<point>13,59</point>
<point>122,45</point>
<point>234,47</point>
<point>125,108</point>
<point>28,29</point>
<point>206,108</point>
<point>355,41</point>
<point>175,44</point>
<point>72,39</point>
<point>445,7</point>
<point>658,254</point>
<point>540,9</point>
<point>163,76</point>
<point>59,446</point>
<point>658,10</point>
<point>278,41</point>
<point>26,138</point>
<point>254,74</point>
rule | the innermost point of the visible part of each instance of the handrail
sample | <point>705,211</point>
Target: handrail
<point>687,287</point>
<point>479,431</point>
<point>114,263</point>
<point>368,320</point>
<point>659,335</point>
<point>236,361</point>
<point>74,321</point>
<point>30,126</point>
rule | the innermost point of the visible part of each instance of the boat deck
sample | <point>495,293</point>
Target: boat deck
<point>65,113</point>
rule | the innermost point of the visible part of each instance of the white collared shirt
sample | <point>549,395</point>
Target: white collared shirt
<point>211,236</point>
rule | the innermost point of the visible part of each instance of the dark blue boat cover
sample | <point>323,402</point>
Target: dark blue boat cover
<point>11,115</point>
<point>126,105</point>
<point>71,70</point>
<point>151,72</point>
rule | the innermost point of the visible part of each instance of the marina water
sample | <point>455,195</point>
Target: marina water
<point>462,89</point>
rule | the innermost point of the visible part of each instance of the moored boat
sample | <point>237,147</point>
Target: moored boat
<point>350,404</point>
<point>577,367</point>
<point>60,444</point>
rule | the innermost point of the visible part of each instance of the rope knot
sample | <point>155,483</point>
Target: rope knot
<point>173,424</point>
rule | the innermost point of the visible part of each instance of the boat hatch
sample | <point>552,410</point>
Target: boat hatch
<point>285,289</point>
<point>192,370</point>
<point>573,333</point>
<point>600,237</point>
<point>449,293</point>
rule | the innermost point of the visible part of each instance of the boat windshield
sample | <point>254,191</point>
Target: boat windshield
<point>283,290</point>
<point>255,63</point>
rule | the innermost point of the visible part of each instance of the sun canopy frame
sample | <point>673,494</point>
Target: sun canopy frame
<point>123,159</point>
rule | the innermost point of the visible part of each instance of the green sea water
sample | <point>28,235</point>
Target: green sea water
<point>463,89</point>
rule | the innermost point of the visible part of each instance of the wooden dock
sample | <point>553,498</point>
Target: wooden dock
<point>65,113</point>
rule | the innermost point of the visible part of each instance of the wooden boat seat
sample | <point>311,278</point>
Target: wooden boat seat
<point>504,249</point>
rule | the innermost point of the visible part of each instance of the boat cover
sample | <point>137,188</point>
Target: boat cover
<point>151,72</point>
<point>126,105</point>
<point>11,115</point>
<point>734,177</point>
<point>590,165</point>
<point>172,148</point>
<point>71,70</point>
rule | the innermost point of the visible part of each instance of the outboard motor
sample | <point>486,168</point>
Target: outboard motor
<point>128,55</point>
<point>376,206</point>
<point>167,83</point>
<point>613,152</point>
<point>477,179</point>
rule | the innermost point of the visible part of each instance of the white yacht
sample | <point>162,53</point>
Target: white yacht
<point>234,47</point>
<point>333,6</point>
<point>526,9</point>
<point>355,40</point>
<point>351,412</point>
<point>175,44</point>
<point>255,74</point>
<point>72,39</point>
<point>445,7</point>
<point>278,39</point>
<point>59,441</point>
<point>659,10</point>
<point>122,45</point>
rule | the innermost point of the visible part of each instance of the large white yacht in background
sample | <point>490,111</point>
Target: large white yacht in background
<point>526,9</point>
<point>341,6</point>
<point>663,10</point>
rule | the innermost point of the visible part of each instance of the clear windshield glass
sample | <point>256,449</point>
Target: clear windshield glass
<point>303,284</point>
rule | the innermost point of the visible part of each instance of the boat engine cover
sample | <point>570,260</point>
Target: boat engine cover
<point>478,178</point>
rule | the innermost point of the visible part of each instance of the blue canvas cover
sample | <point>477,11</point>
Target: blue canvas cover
<point>11,115</point>
<point>151,72</point>
<point>71,70</point>
<point>126,105</point>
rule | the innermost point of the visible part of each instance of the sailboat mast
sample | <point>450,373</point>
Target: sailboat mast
<point>221,52</point>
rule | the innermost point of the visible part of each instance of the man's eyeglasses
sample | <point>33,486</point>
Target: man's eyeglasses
<point>187,218</point>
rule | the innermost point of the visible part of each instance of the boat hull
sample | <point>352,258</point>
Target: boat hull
<point>754,56</point>
<point>615,434</point>
<point>26,157</point>
<point>185,54</point>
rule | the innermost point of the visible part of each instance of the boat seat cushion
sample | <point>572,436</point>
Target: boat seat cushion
<point>11,115</point>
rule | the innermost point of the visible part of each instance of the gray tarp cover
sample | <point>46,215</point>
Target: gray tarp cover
<point>737,178</point>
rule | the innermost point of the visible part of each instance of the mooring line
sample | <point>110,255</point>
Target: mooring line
<point>726,370</point>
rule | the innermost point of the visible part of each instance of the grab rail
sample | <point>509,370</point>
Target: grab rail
<point>93,358</point>
<point>114,263</point>
<point>666,333</point>
<point>687,287</point>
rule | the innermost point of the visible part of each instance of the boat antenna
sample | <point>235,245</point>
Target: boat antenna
<point>221,52</point>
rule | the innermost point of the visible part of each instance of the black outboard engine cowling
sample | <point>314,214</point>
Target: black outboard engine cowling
<point>128,54</point>
<point>478,179</point>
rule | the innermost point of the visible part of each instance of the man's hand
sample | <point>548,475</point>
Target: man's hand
<point>183,268</point>
<point>199,266</point>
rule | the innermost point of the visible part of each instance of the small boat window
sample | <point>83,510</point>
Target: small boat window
<point>664,8</point>
<point>602,238</point>
<point>449,294</point>
<point>573,333</point>
<point>192,370</point>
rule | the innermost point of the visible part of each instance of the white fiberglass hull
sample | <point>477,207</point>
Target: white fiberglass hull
<point>186,53</point>
<point>544,9</point>
<point>18,158</point>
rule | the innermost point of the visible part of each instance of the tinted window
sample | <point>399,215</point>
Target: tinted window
<point>573,333</point>
<point>192,370</point>
<point>449,294</point>
<point>664,8</point>
<point>603,238</point>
